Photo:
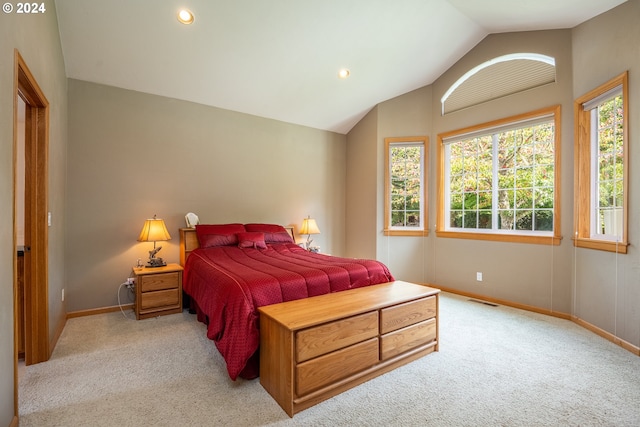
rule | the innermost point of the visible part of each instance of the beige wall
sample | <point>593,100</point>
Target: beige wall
<point>361,197</point>
<point>537,275</point>
<point>36,37</point>
<point>607,286</point>
<point>133,155</point>
<point>453,262</point>
<point>600,287</point>
<point>406,115</point>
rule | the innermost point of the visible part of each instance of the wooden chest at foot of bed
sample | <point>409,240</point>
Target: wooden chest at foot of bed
<point>315,348</point>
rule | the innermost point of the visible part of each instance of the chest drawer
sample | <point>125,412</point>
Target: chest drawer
<point>332,336</point>
<point>402,315</point>
<point>156,282</point>
<point>332,367</point>
<point>404,339</point>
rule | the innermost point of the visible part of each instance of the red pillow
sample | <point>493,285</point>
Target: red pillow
<point>213,240</point>
<point>273,233</point>
<point>251,239</point>
<point>265,228</point>
<point>283,237</point>
<point>211,235</point>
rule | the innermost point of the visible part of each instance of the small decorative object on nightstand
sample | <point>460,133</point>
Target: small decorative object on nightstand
<point>158,291</point>
<point>192,220</point>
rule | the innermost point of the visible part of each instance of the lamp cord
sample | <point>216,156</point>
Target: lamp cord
<point>119,303</point>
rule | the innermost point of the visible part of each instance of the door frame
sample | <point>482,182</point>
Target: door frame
<point>36,198</point>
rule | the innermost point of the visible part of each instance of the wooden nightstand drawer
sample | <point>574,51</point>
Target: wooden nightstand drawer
<point>165,299</point>
<point>156,282</point>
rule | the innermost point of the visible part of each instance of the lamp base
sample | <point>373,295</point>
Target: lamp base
<point>155,262</point>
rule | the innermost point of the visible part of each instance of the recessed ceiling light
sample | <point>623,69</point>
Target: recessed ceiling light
<point>185,16</point>
<point>344,73</point>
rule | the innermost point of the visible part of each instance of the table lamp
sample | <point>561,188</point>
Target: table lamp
<point>154,230</point>
<point>309,227</point>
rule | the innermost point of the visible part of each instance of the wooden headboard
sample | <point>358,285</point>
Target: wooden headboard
<point>189,242</point>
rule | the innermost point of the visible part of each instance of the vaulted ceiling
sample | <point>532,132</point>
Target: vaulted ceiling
<point>280,58</point>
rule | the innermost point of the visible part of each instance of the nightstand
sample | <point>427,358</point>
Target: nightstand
<point>158,291</point>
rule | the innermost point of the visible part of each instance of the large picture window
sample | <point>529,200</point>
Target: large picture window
<point>601,167</point>
<point>499,180</point>
<point>405,186</point>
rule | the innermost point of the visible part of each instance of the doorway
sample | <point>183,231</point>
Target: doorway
<point>30,202</point>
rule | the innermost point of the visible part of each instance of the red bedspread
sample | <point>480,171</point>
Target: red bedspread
<point>228,284</point>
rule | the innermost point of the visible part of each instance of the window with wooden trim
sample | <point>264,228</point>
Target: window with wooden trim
<point>405,208</point>
<point>500,180</point>
<point>601,167</point>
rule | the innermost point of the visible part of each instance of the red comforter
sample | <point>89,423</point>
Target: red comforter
<point>228,284</point>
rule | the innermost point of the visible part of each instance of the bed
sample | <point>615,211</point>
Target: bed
<point>232,269</point>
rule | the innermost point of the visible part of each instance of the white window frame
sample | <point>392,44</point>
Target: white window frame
<point>443,228</point>
<point>586,147</point>
<point>595,175</point>
<point>414,141</point>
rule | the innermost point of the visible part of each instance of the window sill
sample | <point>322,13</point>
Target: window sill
<point>418,232</point>
<point>494,237</point>
<point>601,245</point>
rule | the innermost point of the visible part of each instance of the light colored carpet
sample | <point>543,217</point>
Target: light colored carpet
<point>497,366</point>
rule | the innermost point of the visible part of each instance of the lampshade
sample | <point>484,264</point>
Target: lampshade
<point>309,226</point>
<point>154,230</point>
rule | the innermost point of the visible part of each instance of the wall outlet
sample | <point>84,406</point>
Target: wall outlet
<point>479,276</point>
<point>130,280</point>
<point>63,295</point>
